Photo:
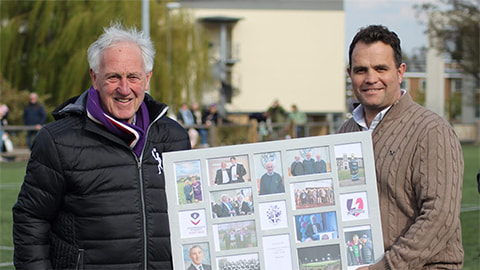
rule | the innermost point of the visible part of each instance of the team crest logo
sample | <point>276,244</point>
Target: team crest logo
<point>268,157</point>
<point>274,214</point>
<point>195,218</point>
<point>355,208</point>
<point>303,152</point>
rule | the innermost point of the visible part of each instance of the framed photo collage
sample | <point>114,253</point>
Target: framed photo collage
<point>307,203</point>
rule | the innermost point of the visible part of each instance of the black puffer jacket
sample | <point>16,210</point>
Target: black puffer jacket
<point>88,202</point>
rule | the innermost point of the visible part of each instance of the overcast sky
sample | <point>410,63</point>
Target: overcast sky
<point>398,15</point>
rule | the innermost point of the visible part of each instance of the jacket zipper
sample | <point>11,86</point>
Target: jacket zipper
<point>142,190</point>
<point>80,259</point>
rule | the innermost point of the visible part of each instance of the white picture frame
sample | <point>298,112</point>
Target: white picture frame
<point>306,217</point>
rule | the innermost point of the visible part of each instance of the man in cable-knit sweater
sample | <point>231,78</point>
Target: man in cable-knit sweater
<point>418,159</point>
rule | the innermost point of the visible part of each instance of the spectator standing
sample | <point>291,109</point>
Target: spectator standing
<point>198,117</point>
<point>3,123</point>
<point>34,114</point>
<point>187,119</point>
<point>277,116</point>
<point>297,119</point>
<point>212,117</point>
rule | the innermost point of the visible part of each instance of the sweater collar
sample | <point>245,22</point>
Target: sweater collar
<point>359,115</point>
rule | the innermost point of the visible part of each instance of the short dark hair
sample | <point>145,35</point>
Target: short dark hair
<point>373,33</point>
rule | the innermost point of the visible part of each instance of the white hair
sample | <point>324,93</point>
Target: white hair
<point>115,34</point>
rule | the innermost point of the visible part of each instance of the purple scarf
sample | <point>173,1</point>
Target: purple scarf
<point>133,135</point>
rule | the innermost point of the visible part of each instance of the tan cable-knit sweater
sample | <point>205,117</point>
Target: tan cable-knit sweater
<point>419,167</point>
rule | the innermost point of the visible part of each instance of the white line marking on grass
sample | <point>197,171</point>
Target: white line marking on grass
<point>6,264</point>
<point>469,209</point>
<point>6,248</point>
<point>10,185</point>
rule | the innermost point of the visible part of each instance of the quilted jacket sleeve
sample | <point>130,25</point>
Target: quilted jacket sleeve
<point>38,202</point>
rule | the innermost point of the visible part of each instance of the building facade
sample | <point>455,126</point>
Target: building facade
<point>265,50</point>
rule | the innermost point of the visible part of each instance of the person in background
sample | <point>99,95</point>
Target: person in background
<point>3,123</point>
<point>34,114</point>
<point>297,119</point>
<point>186,118</point>
<point>418,159</point>
<point>198,117</point>
<point>277,116</point>
<point>94,190</point>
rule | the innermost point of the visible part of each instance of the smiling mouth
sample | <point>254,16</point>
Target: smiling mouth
<point>123,100</point>
<point>371,90</point>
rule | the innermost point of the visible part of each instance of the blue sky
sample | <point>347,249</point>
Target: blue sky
<point>398,15</point>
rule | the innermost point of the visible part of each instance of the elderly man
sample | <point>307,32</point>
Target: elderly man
<point>94,190</point>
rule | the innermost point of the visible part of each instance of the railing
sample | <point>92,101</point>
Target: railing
<point>232,133</point>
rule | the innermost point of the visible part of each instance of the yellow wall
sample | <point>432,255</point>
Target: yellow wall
<point>291,55</point>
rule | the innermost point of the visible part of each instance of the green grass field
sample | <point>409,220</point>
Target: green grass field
<point>11,177</point>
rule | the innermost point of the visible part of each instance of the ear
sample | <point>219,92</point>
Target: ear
<point>401,71</point>
<point>349,72</point>
<point>149,76</point>
<point>93,77</point>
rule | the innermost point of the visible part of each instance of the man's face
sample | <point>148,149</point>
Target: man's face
<point>375,77</point>
<point>270,167</point>
<point>121,80</point>
<point>196,255</point>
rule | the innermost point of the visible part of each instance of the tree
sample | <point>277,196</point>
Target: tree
<point>455,24</point>
<point>43,47</point>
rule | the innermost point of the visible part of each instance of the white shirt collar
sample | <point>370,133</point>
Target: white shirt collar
<point>359,116</point>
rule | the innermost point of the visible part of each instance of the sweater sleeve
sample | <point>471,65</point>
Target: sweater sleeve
<point>38,202</point>
<point>437,177</point>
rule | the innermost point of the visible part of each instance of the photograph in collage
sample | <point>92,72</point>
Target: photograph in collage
<point>316,227</point>
<point>350,164</point>
<point>269,173</point>
<point>228,170</point>
<point>359,246</point>
<point>320,257</point>
<point>235,235</point>
<point>306,161</point>
<point>232,202</point>
<point>189,182</point>
<point>312,194</point>
<point>197,255</point>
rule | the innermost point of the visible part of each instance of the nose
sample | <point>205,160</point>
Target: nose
<point>372,77</point>
<point>123,87</point>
